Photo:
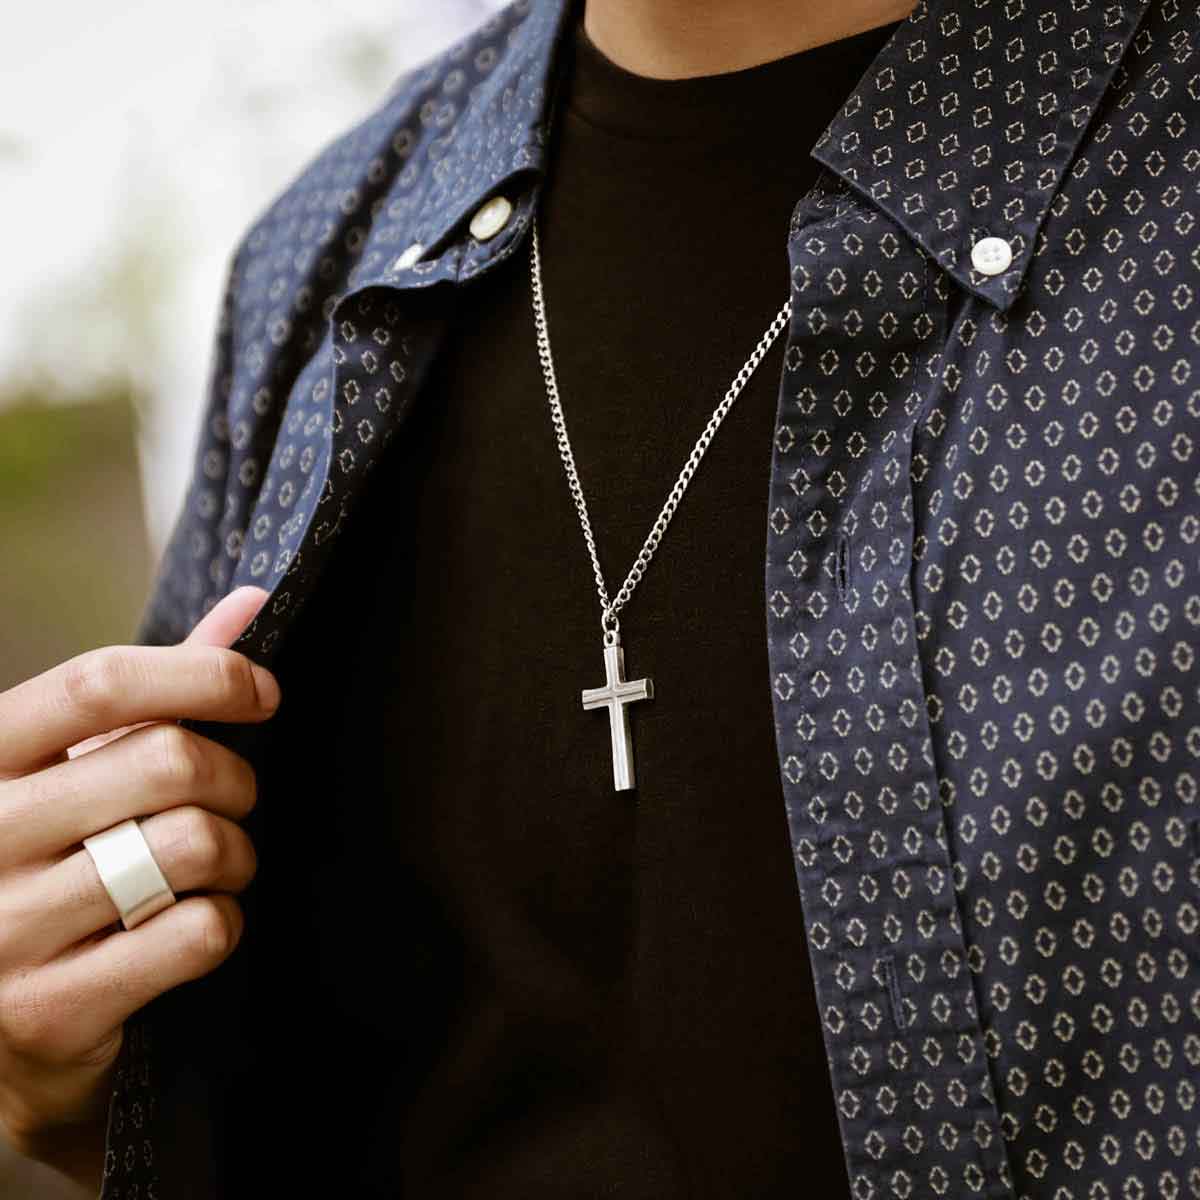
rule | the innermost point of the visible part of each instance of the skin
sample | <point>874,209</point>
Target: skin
<point>89,743</point>
<point>677,39</point>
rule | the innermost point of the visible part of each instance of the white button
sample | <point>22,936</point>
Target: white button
<point>491,218</point>
<point>409,257</point>
<point>991,255</point>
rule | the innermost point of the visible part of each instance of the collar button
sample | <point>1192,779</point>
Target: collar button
<point>409,257</point>
<point>991,255</point>
<point>490,218</point>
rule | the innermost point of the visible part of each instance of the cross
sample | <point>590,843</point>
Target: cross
<point>615,695</point>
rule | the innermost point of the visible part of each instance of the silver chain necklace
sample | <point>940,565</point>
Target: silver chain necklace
<point>618,692</point>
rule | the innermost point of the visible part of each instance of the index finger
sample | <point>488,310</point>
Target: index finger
<point>218,627</point>
<point>120,685</point>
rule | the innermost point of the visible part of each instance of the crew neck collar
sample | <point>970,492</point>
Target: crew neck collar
<point>714,107</point>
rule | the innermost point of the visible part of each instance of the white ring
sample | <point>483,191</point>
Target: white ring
<point>129,872</point>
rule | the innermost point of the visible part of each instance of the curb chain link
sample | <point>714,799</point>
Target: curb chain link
<point>608,619</point>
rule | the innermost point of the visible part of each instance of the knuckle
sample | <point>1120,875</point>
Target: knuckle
<point>176,758</point>
<point>80,886</point>
<point>203,840</point>
<point>251,787</point>
<point>248,857</point>
<point>93,681</point>
<point>105,1051</point>
<point>27,1024</point>
<point>9,941</point>
<point>233,677</point>
<point>243,787</point>
<point>213,929</point>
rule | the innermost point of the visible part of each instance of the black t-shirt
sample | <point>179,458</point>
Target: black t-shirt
<point>478,970</point>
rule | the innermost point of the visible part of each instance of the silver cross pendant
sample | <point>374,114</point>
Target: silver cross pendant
<point>616,694</point>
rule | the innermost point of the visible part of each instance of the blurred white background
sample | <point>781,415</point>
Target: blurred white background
<point>138,141</point>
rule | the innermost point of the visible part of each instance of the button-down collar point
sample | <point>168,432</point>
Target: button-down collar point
<point>991,255</point>
<point>490,218</point>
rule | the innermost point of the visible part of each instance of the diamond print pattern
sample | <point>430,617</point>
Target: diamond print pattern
<point>980,580</point>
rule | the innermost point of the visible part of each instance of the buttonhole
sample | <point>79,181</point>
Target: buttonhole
<point>892,984</point>
<point>1193,826</point>
<point>842,565</point>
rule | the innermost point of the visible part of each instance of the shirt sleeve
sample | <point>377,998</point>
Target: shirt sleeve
<point>156,1136</point>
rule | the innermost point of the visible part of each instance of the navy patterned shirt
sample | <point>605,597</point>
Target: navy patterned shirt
<point>981,573</point>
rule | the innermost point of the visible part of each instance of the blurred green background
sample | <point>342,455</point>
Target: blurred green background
<point>76,558</point>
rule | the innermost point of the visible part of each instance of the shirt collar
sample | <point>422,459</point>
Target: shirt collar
<point>989,99</point>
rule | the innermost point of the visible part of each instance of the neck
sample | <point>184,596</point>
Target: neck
<point>676,39</point>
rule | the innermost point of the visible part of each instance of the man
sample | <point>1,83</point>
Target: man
<point>500,943</point>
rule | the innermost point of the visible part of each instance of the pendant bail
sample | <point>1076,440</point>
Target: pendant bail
<point>611,636</point>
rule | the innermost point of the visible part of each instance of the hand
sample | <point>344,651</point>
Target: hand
<point>83,746</point>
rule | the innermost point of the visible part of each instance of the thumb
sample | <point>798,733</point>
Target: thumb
<point>220,626</point>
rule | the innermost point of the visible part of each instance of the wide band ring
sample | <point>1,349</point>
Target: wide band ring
<point>129,872</point>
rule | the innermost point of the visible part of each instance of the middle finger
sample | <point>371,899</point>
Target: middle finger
<point>52,909</point>
<point>153,767</point>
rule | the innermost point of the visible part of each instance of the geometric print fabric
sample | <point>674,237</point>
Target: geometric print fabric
<point>981,585</point>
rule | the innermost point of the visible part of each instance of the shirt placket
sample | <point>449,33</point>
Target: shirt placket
<point>901,1025</point>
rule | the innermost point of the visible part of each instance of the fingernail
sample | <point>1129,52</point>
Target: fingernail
<point>267,687</point>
